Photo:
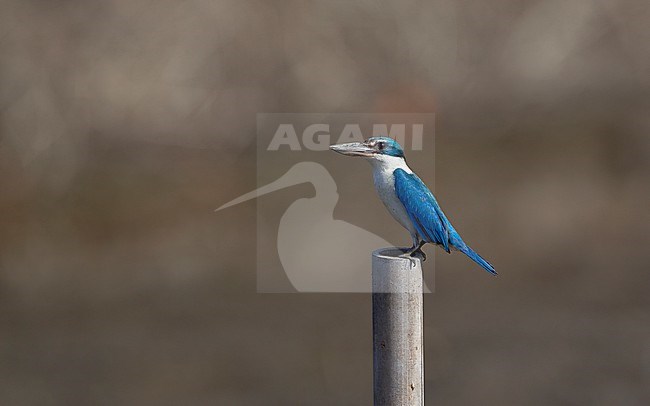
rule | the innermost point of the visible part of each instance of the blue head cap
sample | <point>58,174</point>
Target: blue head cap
<point>386,146</point>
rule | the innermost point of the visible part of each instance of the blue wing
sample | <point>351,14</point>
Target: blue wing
<point>422,208</point>
<point>427,217</point>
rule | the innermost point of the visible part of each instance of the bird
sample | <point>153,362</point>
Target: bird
<point>408,199</point>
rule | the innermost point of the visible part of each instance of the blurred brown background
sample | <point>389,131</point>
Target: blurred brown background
<point>124,123</point>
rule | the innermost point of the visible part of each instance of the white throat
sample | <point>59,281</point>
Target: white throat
<point>383,168</point>
<point>388,164</point>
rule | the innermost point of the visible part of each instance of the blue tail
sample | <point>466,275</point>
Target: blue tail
<point>460,245</point>
<point>478,259</point>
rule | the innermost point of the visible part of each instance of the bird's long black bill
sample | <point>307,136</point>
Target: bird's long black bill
<point>353,149</point>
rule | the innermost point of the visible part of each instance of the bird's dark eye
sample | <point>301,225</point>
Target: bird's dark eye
<point>381,145</point>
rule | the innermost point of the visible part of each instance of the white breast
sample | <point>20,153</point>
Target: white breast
<point>383,167</point>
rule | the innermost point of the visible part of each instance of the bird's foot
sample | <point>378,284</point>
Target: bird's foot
<point>412,253</point>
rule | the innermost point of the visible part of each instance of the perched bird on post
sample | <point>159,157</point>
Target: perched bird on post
<point>408,199</point>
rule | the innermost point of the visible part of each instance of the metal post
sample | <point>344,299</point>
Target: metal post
<point>398,363</point>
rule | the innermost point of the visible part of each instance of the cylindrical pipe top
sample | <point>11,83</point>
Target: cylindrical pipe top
<point>398,363</point>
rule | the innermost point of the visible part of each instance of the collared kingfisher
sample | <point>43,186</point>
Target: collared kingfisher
<point>408,199</point>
